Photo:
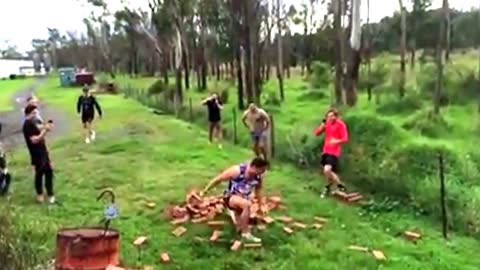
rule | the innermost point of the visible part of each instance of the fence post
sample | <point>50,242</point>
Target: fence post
<point>235,138</point>
<point>441,174</point>
<point>191,109</point>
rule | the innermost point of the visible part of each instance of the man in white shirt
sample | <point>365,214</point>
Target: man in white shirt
<point>257,121</point>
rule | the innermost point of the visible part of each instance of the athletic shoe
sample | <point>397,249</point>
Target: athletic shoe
<point>51,200</point>
<point>325,192</point>
<point>87,140</point>
<point>249,237</point>
<point>92,136</point>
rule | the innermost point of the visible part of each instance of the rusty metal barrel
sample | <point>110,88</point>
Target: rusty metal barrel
<point>87,249</point>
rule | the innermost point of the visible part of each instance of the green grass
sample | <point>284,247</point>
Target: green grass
<point>143,156</point>
<point>8,89</point>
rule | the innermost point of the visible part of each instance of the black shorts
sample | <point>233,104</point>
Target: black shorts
<point>331,160</point>
<point>87,118</point>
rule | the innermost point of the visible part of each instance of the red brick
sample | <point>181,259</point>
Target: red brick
<point>287,230</point>
<point>215,235</point>
<point>252,245</point>
<point>236,245</point>
<point>179,231</point>
<point>193,209</point>
<point>317,226</point>
<point>379,255</point>
<point>164,258</point>
<point>299,225</point>
<point>275,199</point>
<point>140,241</point>
<point>413,236</point>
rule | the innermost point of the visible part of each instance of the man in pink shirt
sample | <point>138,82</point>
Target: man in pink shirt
<point>336,134</point>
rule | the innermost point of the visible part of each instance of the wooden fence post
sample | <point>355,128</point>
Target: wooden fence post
<point>235,138</point>
<point>191,109</point>
<point>441,174</point>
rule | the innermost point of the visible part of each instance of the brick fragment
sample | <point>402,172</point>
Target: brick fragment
<point>150,205</point>
<point>358,248</point>
<point>268,219</point>
<point>412,236</point>
<point>140,241</point>
<point>321,219</point>
<point>199,220</point>
<point>379,255</point>
<point>287,230</point>
<point>164,257</point>
<point>252,245</point>
<point>317,226</point>
<point>299,225</point>
<point>275,199</point>
<point>236,245</point>
<point>180,220</point>
<point>216,223</point>
<point>179,231</point>
<point>285,219</point>
<point>215,235</point>
<point>261,227</point>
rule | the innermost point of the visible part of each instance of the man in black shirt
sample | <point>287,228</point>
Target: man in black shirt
<point>34,133</point>
<point>214,106</point>
<point>86,105</point>
<point>4,174</point>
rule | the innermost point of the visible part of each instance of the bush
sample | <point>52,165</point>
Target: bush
<point>428,124</point>
<point>224,95</point>
<point>312,95</point>
<point>378,76</point>
<point>321,75</point>
<point>271,97</point>
<point>157,87</point>
<point>395,105</point>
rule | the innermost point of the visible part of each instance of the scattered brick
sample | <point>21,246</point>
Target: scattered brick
<point>199,239</point>
<point>113,267</point>
<point>236,245</point>
<point>215,235</point>
<point>180,220</point>
<point>261,227</point>
<point>275,199</point>
<point>379,255</point>
<point>321,219</point>
<point>148,267</point>
<point>287,230</point>
<point>285,219</point>
<point>140,241</point>
<point>199,220</point>
<point>179,231</point>
<point>412,236</point>
<point>317,226</point>
<point>216,223</point>
<point>164,258</point>
<point>150,205</point>
<point>268,219</point>
<point>358,248</point>
<point>282,207</point>
<point>252,245</point>
<point>299,225</point>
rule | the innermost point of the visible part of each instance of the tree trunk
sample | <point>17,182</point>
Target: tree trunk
<point>248,59</point>
<point>448,33</point>
<point>337,24</point>
<point>403,45</point>
<point>186,69</point>
<point>280,51</point>
<point>369,53</point>
<point>439,58</point>
<point>178,66</point>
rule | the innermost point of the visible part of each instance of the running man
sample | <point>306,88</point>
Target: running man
<point>257,121</point>
<point>214,106</point>
<point>34,134</point>
<point>336,134</point>
<point>242,180</point>
<point>86,105</point>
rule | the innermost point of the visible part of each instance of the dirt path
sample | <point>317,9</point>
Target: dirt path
<point>11,121</point>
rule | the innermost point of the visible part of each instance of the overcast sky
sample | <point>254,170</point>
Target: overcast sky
<point>23,20</point>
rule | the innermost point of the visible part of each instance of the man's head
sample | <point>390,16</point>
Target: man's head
<point>32,100</point>
<point>257,166</point>
<point>332,115</point>
<point>30,111</point>
<point>214,95</point>
<point>85,89</point>
<point>252,108</point>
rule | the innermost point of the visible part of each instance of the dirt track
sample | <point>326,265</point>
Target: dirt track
<point>11,121</point>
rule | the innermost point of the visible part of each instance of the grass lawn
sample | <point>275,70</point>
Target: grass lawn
<point>144,156</point>
<point>7,90</point>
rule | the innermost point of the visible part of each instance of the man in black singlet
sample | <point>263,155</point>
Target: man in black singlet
<point>86,105</point>
<point>214,106</point>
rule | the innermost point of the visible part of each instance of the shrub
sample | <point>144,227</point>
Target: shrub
<point>157,87</point>
<point>312,95</point>
<point>224,95</point>
<point>395,105</point>
<point>321,75</point>
<point>271,97</point>
<point>428,124</point>
<point>378,76</point>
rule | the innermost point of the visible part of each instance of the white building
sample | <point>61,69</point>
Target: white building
<point>16,67</point>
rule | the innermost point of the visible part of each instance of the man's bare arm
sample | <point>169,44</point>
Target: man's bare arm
<point>226,175</point>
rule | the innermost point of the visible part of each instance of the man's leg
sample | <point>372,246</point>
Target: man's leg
<point>38,183</point>
<point>91,131</point>
<point>243,205</point>
<point>262,146</point>
<point>86,132</point>
<point>218,133</point>
<point>211,128</point>
<point>48,172</point>
<point>255,143</point>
